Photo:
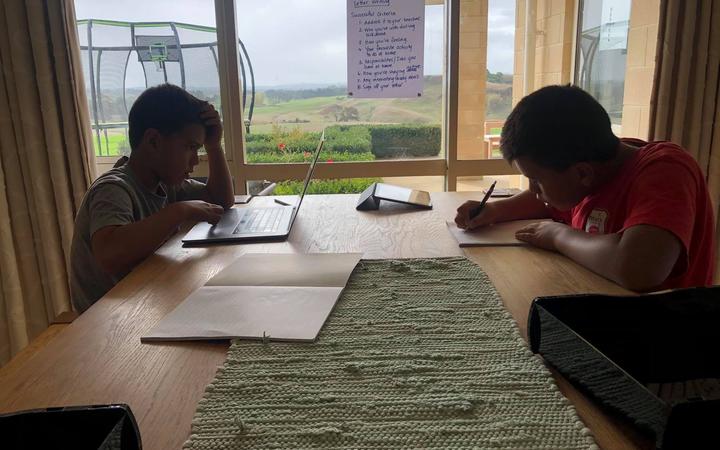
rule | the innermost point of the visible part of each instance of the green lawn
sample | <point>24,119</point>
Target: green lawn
<point>112,146</point>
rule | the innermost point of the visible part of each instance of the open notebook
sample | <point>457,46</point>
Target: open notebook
<point>499,234</point>
<point>283,297</point>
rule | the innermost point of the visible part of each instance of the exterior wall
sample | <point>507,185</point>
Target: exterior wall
<point>518,65</point>
<point>642,43</point>
<point>555,20</point>
<point>472,78</point>
<point>553,42</point>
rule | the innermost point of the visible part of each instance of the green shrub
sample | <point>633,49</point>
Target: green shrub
<point>277,157</point>
<point>348,138</point>
<point>341,186</point>
<point>384,141</point>
<point>282,141</point>
<point>258,137</point>
<point>259,146</point>
<point>394,141</point>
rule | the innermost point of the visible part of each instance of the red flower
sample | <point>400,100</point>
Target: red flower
<point>281,147</point>
<point>306,155</point>
<point>329,160</point>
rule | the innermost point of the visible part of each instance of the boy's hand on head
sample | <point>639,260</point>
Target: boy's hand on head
<point>213,127</point>
<point>463,220</point>
<point>200,211</point>
<point>541,234</point>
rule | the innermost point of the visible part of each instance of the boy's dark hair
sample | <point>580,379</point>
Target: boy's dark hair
<point>166,108</point>
<point>558,126</point>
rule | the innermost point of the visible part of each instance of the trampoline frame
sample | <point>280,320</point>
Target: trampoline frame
<point>99,125</point>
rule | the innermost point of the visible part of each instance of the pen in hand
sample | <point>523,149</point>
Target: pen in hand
<point>478,209</point>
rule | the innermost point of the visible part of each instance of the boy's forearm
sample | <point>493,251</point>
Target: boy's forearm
<point>606,255</point>
<point>639,259</point>
<point>598,253</point>
<point>521,206</point>
<point>126,246</point>
<point>219,185</point>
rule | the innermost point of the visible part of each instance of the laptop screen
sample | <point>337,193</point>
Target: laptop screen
<point>309,175</point>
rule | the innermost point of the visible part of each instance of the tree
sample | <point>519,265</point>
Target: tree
<point>349,113</point>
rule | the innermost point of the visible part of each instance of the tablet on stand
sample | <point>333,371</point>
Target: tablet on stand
<point>376,192</point>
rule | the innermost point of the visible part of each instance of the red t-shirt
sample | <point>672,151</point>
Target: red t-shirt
<point>662,186</point>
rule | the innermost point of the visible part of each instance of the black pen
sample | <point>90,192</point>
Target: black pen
<point>475,211</point>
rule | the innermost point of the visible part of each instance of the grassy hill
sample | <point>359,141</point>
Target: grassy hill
<point>317,112</point>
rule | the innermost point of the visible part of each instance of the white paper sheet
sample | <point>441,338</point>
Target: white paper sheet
<point>285,297</point>
<point>291,269</point>
<point>385,43</point>
<point>253,312</point>
<point>499,234</point>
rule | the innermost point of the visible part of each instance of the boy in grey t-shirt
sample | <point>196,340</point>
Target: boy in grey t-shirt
<point>131,210</point>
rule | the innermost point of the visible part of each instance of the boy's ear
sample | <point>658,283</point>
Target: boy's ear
<point>151,138</point>
<point>585,174</point>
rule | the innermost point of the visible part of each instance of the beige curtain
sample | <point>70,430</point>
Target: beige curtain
<point>45,164</point>
<point>685,105</point>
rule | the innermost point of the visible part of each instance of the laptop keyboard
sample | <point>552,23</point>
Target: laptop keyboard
<point>262,220</point>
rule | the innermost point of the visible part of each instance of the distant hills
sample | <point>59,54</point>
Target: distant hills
<point>312,105</point>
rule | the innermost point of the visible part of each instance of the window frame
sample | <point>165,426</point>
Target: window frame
<point>449,167</point>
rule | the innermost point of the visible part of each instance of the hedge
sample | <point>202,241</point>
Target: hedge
<point>268,143</point>
<point>394,141</point>
<point>384,141</point>
<point>348,138</point>
<point>275,157</point>
<point>341,186</point>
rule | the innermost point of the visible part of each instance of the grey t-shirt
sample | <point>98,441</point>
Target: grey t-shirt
<point>115,198</point>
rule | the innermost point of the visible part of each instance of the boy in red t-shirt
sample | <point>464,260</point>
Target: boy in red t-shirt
<point>637,213</point>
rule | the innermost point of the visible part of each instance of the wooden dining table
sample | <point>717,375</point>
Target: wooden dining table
<point>99,359</point>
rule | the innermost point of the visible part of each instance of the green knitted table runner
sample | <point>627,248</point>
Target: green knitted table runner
<point>418,353</point>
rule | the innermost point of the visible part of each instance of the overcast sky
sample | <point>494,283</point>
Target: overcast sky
<point>300,41</point>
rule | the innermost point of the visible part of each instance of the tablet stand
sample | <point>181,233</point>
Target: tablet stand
<point>369,202</point>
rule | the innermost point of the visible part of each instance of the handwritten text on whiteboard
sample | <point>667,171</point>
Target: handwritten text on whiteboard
<point>385,41</point>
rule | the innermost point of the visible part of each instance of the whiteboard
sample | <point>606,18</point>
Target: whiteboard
<point>385,40</point>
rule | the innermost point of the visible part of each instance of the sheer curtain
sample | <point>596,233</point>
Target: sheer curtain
<point>45,164</point>
<point>685,105</point>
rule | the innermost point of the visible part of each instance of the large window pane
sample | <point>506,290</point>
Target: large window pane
<point>481,183</point>
<point>128,46</point>
<point>298,53</point>
<point>601,53</point>
<point>487,42</point>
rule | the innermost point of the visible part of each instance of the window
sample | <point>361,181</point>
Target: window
<point>299,58</point>
<point>601,53</point>
<point>130,46</point>
<point>486,59</point>
<point>288,84</point>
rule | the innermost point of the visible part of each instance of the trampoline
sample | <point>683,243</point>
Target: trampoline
<point>121,59</point>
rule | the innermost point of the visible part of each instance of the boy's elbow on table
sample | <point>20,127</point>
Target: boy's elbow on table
<point>638,275</point>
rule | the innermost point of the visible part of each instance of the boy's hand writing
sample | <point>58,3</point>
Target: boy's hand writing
<point>213,127</point>
<point>200,211</point>
<point>542,234</point>
<point>486,216</point>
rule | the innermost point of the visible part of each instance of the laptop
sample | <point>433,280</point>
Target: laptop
<point>252,224</point>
